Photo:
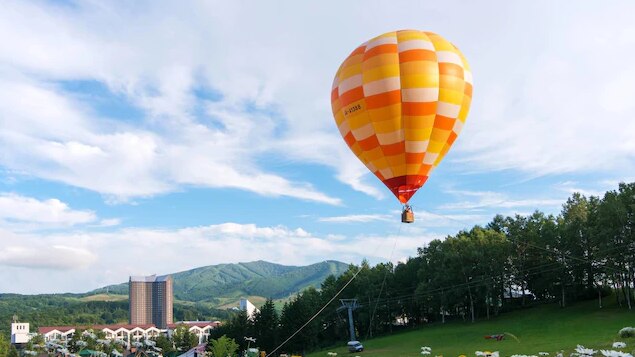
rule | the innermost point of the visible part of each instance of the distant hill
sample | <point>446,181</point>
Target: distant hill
<point>221,283</point>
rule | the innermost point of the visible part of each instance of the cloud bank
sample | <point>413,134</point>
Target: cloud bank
<point>97,259</point>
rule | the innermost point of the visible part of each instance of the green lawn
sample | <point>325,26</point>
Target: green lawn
<point>538,329</point>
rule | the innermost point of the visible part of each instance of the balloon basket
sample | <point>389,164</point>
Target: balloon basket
<point>407,216</point>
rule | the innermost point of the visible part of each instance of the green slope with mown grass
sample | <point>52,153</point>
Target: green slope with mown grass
<point>547,328</point>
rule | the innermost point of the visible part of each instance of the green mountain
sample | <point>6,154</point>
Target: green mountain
<point>221,283</point>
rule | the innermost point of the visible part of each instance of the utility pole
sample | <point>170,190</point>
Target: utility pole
<point>350,305</point>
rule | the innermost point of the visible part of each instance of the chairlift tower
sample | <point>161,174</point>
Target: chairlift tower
<point>350,305</point>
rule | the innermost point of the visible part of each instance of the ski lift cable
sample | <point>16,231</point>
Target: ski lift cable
<point>473,283</point>
<point>485,279</point>
<point>337,294</point>
<point>317,313</point>
<point>383,283</point>
<point>413,296</point>
<point>525,243</point>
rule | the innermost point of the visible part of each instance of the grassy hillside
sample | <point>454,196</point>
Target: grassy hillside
<point>104,297</point>
<point>224,283</point>
<point>539,329</point>
<point>228,303</point>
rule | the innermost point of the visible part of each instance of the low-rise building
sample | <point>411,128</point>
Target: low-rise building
<point>129,332</point>
<point>201,329</point>
<point>20,333</point>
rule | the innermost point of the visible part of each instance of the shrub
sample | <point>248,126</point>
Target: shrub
<point>627,332</point>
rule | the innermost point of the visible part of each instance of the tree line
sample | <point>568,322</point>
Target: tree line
<point>587,251</point>
<point>66,309</point>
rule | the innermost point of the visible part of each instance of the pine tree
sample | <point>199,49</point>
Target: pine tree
<point>266,326</point>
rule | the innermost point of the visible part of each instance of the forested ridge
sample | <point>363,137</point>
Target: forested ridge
<point>217,283</point>
<point>585,252</point>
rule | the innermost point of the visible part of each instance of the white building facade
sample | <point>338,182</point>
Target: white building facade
<point>129,333</point>
<point>20,333</point>
<point>246,305</point>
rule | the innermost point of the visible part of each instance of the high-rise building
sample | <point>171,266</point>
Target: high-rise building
<point>151,300</point>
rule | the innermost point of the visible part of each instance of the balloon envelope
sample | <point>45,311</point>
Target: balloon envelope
<point>400,101</point>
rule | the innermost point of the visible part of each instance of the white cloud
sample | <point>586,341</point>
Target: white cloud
<point>529,113</point>
<point>23,210</point>
<point>126,162</point>
<point>109,222</point>
<point>170,146</point>
<point>547,103</point>
<point>613,184</point>
<point>572,187</point>
<point>489,200</point>
<point>427,222</point>
<point>112,256</point>
<point>39,257</point>
<point>551,100</point>
<point>429,219</point>
<point>357,218</point>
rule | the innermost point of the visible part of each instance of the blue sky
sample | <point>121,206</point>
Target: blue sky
<point>148,137</point>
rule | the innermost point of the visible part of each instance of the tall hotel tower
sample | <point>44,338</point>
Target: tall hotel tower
<point>151,300</point>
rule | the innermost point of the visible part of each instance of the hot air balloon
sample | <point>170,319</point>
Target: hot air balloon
<point>400,100</point>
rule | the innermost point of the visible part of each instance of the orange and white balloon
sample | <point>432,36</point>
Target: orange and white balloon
<point>400,101</point>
